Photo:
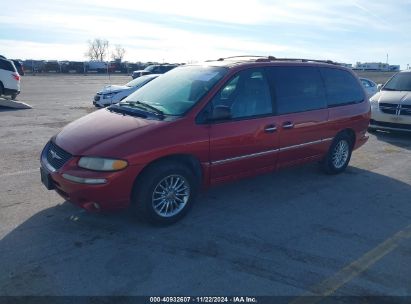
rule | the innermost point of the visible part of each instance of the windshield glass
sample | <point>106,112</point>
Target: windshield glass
<point>176,91</point>
<point>400,82</point>
<point>139,81</point>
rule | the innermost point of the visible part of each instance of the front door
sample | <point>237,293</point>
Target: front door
<point>246,142</point>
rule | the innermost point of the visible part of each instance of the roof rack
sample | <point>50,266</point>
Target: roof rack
<point>272,58</point>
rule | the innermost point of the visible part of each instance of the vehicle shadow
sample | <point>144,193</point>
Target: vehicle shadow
<point>396,138</point>
<point>8,109</point>
<point>275,234</point>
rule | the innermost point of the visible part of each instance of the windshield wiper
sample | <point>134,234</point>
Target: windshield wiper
<point>122,110</point>
<point>147,106</point>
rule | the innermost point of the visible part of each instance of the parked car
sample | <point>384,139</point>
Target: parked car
<point>114,93</point>
<point>19,66</point>
<point>369,86</point>
<point>52,66</point>
<point>200,125</point>
<point>9,78</point>
<point>153,69</point>
<point>72,67</point>
<point>391,107</point>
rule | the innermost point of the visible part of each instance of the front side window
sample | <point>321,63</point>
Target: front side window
<point>176,91</point>
<point>246,95</point>
<point>399,82</point>
<point>297,89</point>
<point>341,87</point>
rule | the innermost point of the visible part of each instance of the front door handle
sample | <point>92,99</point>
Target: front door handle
<point>288,125</point>
<point>270,129</point>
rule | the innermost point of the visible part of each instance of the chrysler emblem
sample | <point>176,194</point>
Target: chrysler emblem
<point>54,154</point>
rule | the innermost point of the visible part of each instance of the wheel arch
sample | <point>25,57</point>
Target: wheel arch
<point>351,135</point>
<point>187,160</point>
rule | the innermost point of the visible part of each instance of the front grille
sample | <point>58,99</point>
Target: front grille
<point>390,125</point>
<point>389,108</point>
<point>395,109</point>
<point>56,156</point>
<point>97,97</point>
<point>406,110</point>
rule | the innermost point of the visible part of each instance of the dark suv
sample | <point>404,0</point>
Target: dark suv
<point>200,125</point>
<point>154,69</point>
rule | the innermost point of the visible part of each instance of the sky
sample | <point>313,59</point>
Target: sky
<point>189,31</point>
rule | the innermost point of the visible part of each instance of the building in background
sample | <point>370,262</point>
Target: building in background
<point>376,66</point>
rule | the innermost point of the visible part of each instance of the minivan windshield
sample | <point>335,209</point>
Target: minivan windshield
<point>399,82</point>
<point>176,91</point>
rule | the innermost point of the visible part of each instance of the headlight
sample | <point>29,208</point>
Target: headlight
<point>102,164</point>
<point>109,95</point>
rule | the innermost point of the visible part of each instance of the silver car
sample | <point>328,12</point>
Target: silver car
<point>391,107</point>
<point>369,86</point>
<point>115,93</point>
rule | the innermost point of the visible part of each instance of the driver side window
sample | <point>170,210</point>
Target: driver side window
<point>246,95</point>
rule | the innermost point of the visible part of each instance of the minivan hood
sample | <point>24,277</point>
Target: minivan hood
<point>393,97</point>
<point>97,133</point>
<point>113,89</point>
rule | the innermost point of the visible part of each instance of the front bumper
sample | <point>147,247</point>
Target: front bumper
<point>112,195</point>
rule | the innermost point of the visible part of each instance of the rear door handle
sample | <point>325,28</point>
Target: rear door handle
<point>270,129</point>
<point>288,125</point>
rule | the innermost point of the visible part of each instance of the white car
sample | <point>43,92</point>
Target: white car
<point>391,107</point>
<point>9,78</point>
<point>115,93</point>
<point>369,86</point>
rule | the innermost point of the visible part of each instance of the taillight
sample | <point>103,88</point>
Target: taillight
<point>16,76</point>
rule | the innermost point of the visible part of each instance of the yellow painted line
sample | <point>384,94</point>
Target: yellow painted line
<point>329,286</point>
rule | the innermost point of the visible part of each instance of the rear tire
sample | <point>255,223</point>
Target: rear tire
<point>339,154</point>
<point>13,96</point>
<point>164,193</point>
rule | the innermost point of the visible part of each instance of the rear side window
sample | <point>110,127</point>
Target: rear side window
<point>341,87</point>
<point>297,89</point>
<point>7,65</point>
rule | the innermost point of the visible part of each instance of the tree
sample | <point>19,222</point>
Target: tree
<point>118,52</point>
<point>97,49</point>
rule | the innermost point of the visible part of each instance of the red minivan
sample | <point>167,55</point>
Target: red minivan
<point>199,125</point>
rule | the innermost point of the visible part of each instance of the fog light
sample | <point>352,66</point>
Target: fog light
<point>81,180</point>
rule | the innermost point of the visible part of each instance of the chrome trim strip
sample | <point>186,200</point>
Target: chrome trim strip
<point>223,161</point>
<point>301,145</point>
<point>227,160</point>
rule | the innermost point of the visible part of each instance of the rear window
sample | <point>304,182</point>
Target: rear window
<point>7,65</point>
<point>297,89</point>
<point>341,87</point>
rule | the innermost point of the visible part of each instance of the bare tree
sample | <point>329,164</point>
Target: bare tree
<point>118,52</point>
<point>97,49</point>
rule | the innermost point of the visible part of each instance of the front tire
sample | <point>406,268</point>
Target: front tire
<point>164,193</point>
<point>339,154</point>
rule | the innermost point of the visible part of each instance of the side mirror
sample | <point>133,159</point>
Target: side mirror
<point>221,113</point>
<point>379,87</point>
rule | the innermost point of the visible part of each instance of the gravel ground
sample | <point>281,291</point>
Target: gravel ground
<point>293,232</point>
